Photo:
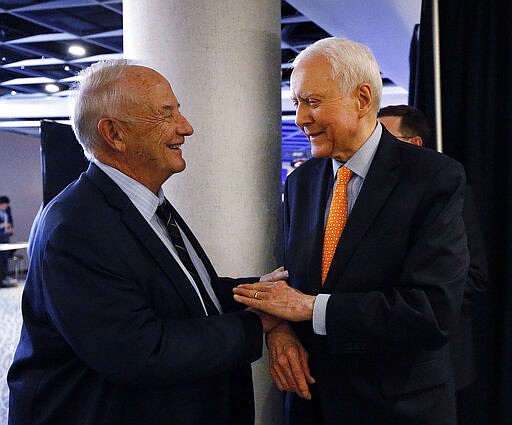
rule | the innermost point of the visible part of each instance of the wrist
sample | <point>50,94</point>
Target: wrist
<point>309,306</point>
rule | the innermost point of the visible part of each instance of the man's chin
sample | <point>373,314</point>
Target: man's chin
<point>178,167</point>
<point>181,168</point>
<point>319,153</point>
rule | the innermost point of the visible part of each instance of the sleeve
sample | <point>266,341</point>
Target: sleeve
<point>478,278</point>
<point>101,309</point>
<point>224,291</point>
<point>9,214</point>
<point>421,307</point>
<point>319,312</point>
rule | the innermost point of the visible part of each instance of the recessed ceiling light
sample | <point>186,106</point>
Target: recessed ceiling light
<point>76,50</point>
<point>66,68</point>
<point>14,92</point>
<point>52,88</point>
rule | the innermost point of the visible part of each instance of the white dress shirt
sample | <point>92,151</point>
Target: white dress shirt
<point>359,164</point>
<point>146,203</point>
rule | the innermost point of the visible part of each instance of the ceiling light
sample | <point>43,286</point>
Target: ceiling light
<point>52,88</point>
<point>76,50</point>
<point>66,68</point>
<point>14,124</point>
<point>14,92</point>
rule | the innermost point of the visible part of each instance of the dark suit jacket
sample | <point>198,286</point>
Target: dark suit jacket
<point>462,344</point>
<point>113,331</point>
<point>396,284</point>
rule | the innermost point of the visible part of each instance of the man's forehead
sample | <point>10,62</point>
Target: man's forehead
<point>315,70</point>
<point>149,84</point>
<point>314,63</point>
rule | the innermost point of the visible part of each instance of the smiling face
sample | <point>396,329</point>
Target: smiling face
<point>332,122</point>
<point>149,132</point>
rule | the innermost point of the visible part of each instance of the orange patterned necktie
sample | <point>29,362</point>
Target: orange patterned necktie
<point>338,214</point>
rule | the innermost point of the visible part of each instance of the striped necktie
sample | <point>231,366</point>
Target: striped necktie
<point>164,212</point>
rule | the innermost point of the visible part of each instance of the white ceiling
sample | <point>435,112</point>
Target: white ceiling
<point>34,36</point>
<point>386,26</point>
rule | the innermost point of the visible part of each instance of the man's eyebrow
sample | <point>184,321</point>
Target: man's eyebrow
<point>302,96</point>
<point>169,108</point>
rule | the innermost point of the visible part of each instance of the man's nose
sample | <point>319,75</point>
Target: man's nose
<point>184,126</point>
<point>302,116</point>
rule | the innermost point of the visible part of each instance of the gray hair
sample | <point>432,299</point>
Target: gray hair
<point>352,64</point>
<point>97,95</point>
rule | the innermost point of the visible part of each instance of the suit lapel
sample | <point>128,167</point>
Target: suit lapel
<point>137,225</point>
<point>319,191</point>
<point>380,181</point>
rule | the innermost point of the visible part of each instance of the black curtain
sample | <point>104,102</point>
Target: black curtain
<point>62,158</point>
<point>476,85</point>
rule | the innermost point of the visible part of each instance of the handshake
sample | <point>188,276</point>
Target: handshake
<point>273,296</point>
<point>276,303</point>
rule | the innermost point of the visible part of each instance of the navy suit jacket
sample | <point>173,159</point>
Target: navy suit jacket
<point>114,333</point>
<point>396,285</point>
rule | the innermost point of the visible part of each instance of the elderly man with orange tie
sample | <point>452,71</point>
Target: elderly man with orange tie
<point>375,249</point>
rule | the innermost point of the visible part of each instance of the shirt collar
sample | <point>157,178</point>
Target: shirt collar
<point>360,162</point>
<point>142,198</point>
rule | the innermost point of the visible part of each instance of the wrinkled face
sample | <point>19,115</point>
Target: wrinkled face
<point>154,130</point>
<point>328,119</point>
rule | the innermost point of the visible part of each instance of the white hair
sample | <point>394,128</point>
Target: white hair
<point>98,94</point>
<point>352,64</point>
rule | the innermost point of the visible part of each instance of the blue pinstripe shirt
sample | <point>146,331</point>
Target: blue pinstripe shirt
<point>146,203</point>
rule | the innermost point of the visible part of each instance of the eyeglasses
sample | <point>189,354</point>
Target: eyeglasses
<point>405,137</point>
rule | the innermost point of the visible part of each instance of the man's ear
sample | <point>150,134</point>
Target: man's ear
<point>364,95</point>
<point>110,131</point>
<point>416,140</point>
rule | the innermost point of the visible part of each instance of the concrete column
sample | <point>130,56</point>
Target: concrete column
<point>223,61</point>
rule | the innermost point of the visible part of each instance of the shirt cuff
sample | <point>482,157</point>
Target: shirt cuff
<point>319,311</point>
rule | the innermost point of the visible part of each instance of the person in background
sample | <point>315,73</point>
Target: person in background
<point>6,230</point>
<point>376,251</point>
<point>407,124</point>
<point>125,320</point>
<point>411,125</point>
<point>9,214</point>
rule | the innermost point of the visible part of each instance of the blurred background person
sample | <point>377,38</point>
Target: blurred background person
<point>6,231</point>
<point>411,125</point>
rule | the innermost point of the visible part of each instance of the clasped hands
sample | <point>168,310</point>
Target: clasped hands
<point>288,366</point>
<point>7,226</point>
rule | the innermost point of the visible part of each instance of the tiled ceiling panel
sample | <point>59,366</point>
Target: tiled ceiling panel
<point>35,37</point>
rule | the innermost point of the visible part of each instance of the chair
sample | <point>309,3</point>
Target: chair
<point>16,265</point>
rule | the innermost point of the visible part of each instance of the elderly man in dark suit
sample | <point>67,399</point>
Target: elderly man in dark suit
<point>377,258</point>
<point>124,319</point>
